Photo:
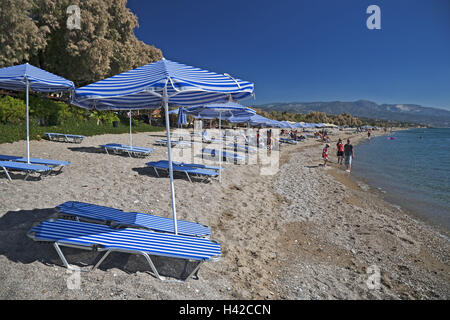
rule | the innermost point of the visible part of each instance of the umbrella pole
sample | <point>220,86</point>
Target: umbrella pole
<point>220,149</point>
<point>169,149</point>
<point>131,135</point>
<point>28,124</point>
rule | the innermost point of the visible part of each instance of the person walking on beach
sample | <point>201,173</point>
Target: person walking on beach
<point>325,154</point>
<point>348,155</point>
<point>340,151</point>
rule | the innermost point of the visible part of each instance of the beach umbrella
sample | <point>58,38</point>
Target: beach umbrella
<point>161,83</point>
<point>26,77</point>
<point>181,119</point>
<point>227,110</point>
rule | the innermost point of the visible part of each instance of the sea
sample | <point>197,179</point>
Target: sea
<point>410,169</point>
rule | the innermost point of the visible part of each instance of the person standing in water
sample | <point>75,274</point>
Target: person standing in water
<point>348,155</point>
<point>368,133</point>
<point>340,151</point>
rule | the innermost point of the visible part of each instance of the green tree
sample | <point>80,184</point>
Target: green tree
<point>37,31</point>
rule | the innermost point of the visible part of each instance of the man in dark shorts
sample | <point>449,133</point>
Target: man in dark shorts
<point>348,155</point>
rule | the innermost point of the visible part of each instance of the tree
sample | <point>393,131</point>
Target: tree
<point>103,46</point>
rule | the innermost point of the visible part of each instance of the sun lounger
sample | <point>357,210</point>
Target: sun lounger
<point>53,164</point>
<point>118,218</point>
<point>62,137</point>
<point>226,155</point>
<point>25,167</point>
<point>130,150</point>
<point>187,170</point>
<point>98,237</point>
<point>286,140</point>
<point>208,139</point>
<point>174,143</point>
<point>193,165</point>
<point>238,147</point>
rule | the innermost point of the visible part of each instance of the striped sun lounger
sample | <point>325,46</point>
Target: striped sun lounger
<point>98,237</point>
<point>130,150</point>
<point>187,170</point>
<point>225,154</point>
<point>174,143</point>
<point>24,167</point>
<point>290,141</point>
<point>53,164</point>
<point>193,165</point>
<point>118,218</point>
<point>63,137</point>
<point>239,147</point>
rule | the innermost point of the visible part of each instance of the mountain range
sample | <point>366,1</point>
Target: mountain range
<point>412,113</point>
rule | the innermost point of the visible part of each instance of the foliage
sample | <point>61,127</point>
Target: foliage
<point>36,31</point>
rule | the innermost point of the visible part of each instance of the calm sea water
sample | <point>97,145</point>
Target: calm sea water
<point>412,170</point>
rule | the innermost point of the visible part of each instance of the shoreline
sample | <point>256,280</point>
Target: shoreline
<point>354,257</point>
<point>299,234</point>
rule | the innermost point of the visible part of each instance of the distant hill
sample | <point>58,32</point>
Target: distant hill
<point>367,109</point>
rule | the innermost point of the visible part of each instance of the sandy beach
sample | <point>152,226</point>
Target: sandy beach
<point>307,232</point>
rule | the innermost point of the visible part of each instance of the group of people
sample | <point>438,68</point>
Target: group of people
<point>345,154</point>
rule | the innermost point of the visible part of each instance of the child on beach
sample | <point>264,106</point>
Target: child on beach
<point>325,155</point>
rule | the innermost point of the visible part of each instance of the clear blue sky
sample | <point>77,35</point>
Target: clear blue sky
<point>315,50</point>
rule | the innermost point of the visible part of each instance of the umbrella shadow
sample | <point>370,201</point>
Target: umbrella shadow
<point>17,247</point>
<point>86,149</point>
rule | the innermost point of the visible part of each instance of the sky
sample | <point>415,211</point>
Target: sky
<point>315,50</point>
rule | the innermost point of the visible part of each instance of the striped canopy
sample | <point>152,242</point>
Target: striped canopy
<point>224,111</point>
<point>15,78</point>
<point>143,87</point>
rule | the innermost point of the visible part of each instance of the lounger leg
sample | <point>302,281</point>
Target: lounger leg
<point>150,262</point>
<point>63,259</point>
<point>101,260</point>
<point>7,174</point>
<point>27,175</point>
<point>156,171</point>
<point>189,177</point>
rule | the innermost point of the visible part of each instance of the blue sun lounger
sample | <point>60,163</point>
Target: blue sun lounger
<point>53,164</point>
<point>63,137</point>
<point>239,147</point>
<point>25,167</point>
<point>174,143</point>
<point>187,170</point>
<point>193,165</point>
<point>287,140</point>
<point>116,218</point>
<point>130,150</point>
<point>227,155</point>
<point>98,237</point>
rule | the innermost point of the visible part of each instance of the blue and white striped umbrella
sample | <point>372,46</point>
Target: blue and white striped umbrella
<point>161,83</point>
<point>144,87</point>
<point>26,77</point>
<point>181,119</point>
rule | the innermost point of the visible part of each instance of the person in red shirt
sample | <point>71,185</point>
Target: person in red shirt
<point>325,155</point>
<point>340,151</point>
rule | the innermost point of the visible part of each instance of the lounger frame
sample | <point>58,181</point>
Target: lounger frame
<point>62,137</point>
<point>99,248</point>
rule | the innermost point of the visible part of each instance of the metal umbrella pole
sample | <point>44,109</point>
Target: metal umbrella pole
<point>169,149</point>
<point>28,122</point>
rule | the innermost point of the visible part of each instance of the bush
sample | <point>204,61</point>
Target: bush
<point>12,110</point>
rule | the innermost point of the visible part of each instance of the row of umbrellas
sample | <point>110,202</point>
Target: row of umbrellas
<point>146,87</point>
<point>251,119</point>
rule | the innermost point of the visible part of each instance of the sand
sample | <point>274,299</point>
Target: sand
<point>307,232</point>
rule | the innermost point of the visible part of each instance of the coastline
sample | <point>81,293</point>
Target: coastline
<point>305,233</point>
